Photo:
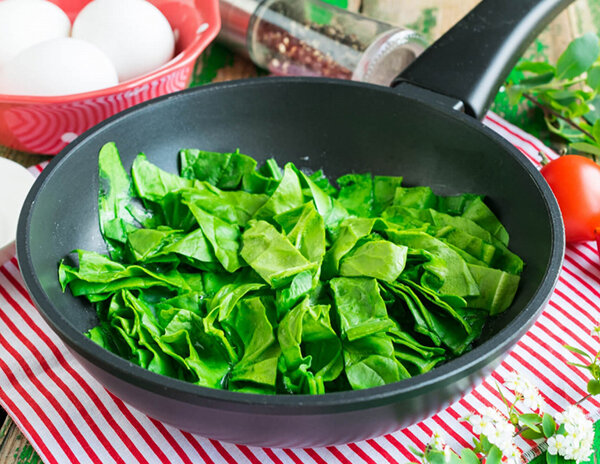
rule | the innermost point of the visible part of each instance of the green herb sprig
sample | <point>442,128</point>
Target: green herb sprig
<point>568,93</point>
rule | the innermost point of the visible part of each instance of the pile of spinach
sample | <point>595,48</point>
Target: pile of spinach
<point>266,280</point>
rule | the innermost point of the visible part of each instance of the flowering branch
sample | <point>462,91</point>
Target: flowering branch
<point>569,435</point>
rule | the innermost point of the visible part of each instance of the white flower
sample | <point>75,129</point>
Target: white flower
<point>595,331</point>
<point>575,414</point>
<point>437,441</point>
<point>569,449</point>
<point>556,444</point>
<point>520,385</point>
<point>586,430</point>
<point>513,455</point>
<point>574,420</point>
<point>532,399</point>
<point>578,439</point>
<point>482,425</point>
<point>447,453</point>
<point>571,428</point>
<point>582,454</point>
<point>502,436</point>
<point>513,381</point>
<point>495,426</point>
<point>492,414</point>
<point>577,447</point>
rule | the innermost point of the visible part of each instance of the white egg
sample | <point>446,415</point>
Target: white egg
<point>133,33</point>
<point>60,66</point>
<point>24,23</point>
<point>15,182</point>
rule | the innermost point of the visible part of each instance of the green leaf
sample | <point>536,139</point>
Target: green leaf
<point>494,455</point>
<point>577,350</point>
<point>535,81</point>
<point>223,170</point>
<point>295,333</point>
<point>561,128</point>
<point>531,435</point>
<point>369,362</point>
<point>261,352</point>
<point>234,207</point>
<point>384,190</point>
<point>272,255</point>
<point>582,366</point>
<point>223,237</point>
<point>578,57</point>
<point>596,132</point>
<point>497,289</point>
<point>351,231</point>
<point>361,310</point>
<point>563,98</point>
<point>152,183</point>
<point>306,231</point>
<point>485,444</point>
<point>593,78</point>
<point>115,200</point>
<point>514,94</point>
<point>478,212</point>
<point>435,457</point>
<point>447,264</point>
<point>454,459</point>
<point>226,299</point>
<point>586,148</point>
<point>551,458</point>
<point>536,67</point>
<point>469,457</point>
<point>502,395</point>
<point>330,209</point>
<point>381,259</point>
<point>593,387</point>
<point>531,420</point>
<point>548,425</point>
<point>439,457</point>
<point>288,195</point>
<point>593,113</point>
<point>416,452</point>
<point>356,193</point>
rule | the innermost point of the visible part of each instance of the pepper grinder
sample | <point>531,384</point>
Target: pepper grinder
<point>314,38</point>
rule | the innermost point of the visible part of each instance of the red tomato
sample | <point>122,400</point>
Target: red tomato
<point>575,181</point>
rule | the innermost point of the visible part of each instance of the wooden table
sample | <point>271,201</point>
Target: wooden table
<point>430,17</point>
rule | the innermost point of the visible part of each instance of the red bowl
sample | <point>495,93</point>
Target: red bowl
<point>46,124</point>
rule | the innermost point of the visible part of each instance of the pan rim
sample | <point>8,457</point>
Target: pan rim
<point>459,368</point>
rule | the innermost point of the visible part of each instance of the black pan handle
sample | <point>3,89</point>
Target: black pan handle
<point>471,60</point>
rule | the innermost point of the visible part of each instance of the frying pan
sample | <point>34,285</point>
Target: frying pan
<point>416,130</point>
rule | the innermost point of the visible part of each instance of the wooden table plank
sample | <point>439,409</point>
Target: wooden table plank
<point>14,447</point>
<point>442,14</point>
<point>434,17</point>
<point>25,159</point>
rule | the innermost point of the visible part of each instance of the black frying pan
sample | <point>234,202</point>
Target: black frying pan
<point>413,130</point>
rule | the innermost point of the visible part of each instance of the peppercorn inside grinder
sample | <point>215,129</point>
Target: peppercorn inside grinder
<point>313,38</point>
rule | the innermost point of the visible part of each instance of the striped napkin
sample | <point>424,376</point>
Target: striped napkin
<point>68,417</point>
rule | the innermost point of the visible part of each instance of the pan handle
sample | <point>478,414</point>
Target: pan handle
<point>471,60</point>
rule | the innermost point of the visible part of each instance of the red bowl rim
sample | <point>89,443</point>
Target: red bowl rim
<point>185,57</point>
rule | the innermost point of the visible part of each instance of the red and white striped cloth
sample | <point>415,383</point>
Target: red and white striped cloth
<point>68,417</point>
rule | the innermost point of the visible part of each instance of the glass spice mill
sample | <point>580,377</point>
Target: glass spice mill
<point>313,38</point>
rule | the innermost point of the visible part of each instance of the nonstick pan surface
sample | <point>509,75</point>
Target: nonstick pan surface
<point>336,126</point>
